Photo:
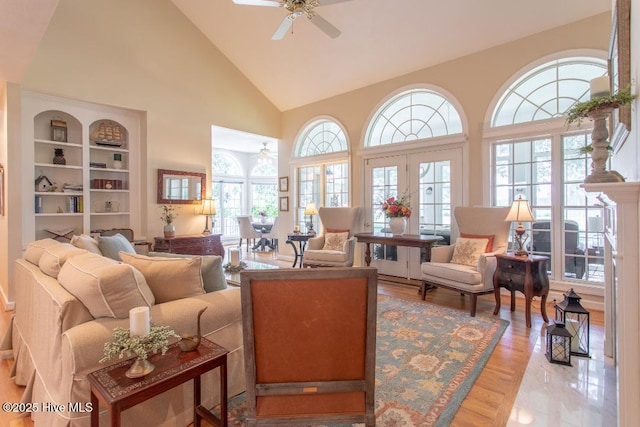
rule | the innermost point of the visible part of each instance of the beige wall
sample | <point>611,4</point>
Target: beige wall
<point>473,80</point>
<point>147,56</point>
<point>143,55</point>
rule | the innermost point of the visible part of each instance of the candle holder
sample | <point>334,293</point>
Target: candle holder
<point>600,144</point>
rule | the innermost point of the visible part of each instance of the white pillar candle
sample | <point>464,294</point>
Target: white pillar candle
<point>139,321</point>
<point>234,256</point>
<point>600,87</point>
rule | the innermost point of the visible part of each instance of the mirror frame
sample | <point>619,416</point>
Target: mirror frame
<point>203,184</point>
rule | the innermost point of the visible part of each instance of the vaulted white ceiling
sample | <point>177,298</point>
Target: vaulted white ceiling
<point>380,39</point>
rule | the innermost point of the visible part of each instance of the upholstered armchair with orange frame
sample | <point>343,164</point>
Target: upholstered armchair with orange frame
<point>309,345</point>
<point>468,265</point>
<point>336,245</point>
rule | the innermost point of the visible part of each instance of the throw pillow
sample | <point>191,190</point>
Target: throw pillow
<point>35,249</point>
<point>54,257</point>
<point>86,242</point>
<point>212,275</point>
<point>335,241</point>
<point>111,246</point>
<point>467,251</point>
<point>106,287</point>
<point>480,236</point>
<point>169,278</point>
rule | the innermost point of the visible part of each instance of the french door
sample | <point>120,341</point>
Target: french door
<point>433,181</point>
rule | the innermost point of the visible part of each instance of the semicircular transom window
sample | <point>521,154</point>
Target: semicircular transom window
<point>412,115</point>
<point>321,137</point>
<point>548,91</point>
<point>225,164</point>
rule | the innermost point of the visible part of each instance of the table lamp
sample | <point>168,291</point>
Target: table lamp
<point>520,211</point>
<point>311,210</point>
<point>208,209</point>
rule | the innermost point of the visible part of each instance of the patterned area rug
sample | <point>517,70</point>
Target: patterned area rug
<point>427,359</point>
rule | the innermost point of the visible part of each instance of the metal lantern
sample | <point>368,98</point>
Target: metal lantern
<point>576,320</point>
<point>558,344</point>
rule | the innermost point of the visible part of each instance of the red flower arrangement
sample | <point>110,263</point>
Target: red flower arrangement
<point>393,207</point>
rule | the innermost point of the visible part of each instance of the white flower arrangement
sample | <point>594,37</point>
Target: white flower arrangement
<point>125,345</point>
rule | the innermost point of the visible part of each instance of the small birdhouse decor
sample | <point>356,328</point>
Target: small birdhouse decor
<point>576,320</point>
<point>558,344</point>
<point>43,184</point>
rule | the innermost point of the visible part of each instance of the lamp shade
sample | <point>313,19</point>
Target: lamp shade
<point>208,207</point>
<point>311,209</point>
<point>520,211</point>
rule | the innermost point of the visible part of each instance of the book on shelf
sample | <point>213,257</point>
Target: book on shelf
<point>98,165</point>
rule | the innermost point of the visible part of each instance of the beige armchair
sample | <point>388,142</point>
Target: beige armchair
<point>469,269</point>
<point>336,245</point>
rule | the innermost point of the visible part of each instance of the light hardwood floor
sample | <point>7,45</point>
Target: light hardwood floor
<point>491,398</point>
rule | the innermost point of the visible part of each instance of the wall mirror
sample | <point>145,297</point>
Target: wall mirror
<point>179,187</point>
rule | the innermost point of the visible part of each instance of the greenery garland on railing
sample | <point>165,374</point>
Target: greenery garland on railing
<point>581,110</point>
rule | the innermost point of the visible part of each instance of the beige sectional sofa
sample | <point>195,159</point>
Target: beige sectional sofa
<point>68,301</point>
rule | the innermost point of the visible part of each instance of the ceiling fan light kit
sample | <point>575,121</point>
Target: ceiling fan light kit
<point>296,9</point>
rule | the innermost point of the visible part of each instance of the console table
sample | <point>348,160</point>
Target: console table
<point>411,240</point>
<point>198,244</point>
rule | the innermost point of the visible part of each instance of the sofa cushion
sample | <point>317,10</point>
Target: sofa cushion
<point>55,256</point>
<point>106,287</point>
<point>212,275</point>
<point>169,278</point>
<point>35,249</point>
<point>111,246</point>
<point>467,251</point>
<point>86,242</point>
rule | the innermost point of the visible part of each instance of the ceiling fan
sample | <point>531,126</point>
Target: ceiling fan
<point>296,9</point>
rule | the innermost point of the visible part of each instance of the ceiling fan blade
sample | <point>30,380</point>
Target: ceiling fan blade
<point>270,3</point>
<point>283,28</point>
<point>325,26</point>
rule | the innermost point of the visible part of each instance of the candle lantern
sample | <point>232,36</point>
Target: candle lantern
<point>558,344</point>
<point>576,320</point>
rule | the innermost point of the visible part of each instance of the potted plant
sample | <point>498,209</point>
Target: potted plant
<point>167,216</point>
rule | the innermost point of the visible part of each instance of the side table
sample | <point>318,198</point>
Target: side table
<point>198,244</point>
<point>302,239</point>
<point>527,274</point>
<point>114,390</point>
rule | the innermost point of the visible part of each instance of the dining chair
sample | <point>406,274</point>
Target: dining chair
<point>247,230</point>
<point>272,234</point>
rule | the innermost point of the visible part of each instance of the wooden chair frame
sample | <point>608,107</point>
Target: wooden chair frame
<point>310,345</point>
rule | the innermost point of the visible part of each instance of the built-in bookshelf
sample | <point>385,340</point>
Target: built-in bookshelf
<point>85,160</point>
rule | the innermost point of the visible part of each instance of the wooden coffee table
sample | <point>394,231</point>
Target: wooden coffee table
<point>110,386</point>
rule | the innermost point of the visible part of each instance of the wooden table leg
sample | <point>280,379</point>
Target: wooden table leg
<point>95,410</point>
<point>197,420</point>
<point>496,292</point>
<point>528,309</point>
<point>513,300</point>
<point>223,394</point>
<point>367,254</point>
<point>543,308</point>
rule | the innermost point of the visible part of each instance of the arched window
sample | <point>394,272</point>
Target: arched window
<point>547,91</point>
<point>321,137</point>
<point>226,164</point>
<point>545,165</point>
<point>265,170</point>
<point>411,115</point>
<point>322,175</point>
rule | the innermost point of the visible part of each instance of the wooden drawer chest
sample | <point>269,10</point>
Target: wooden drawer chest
<point>199,244</point>
<point>527,274</point>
